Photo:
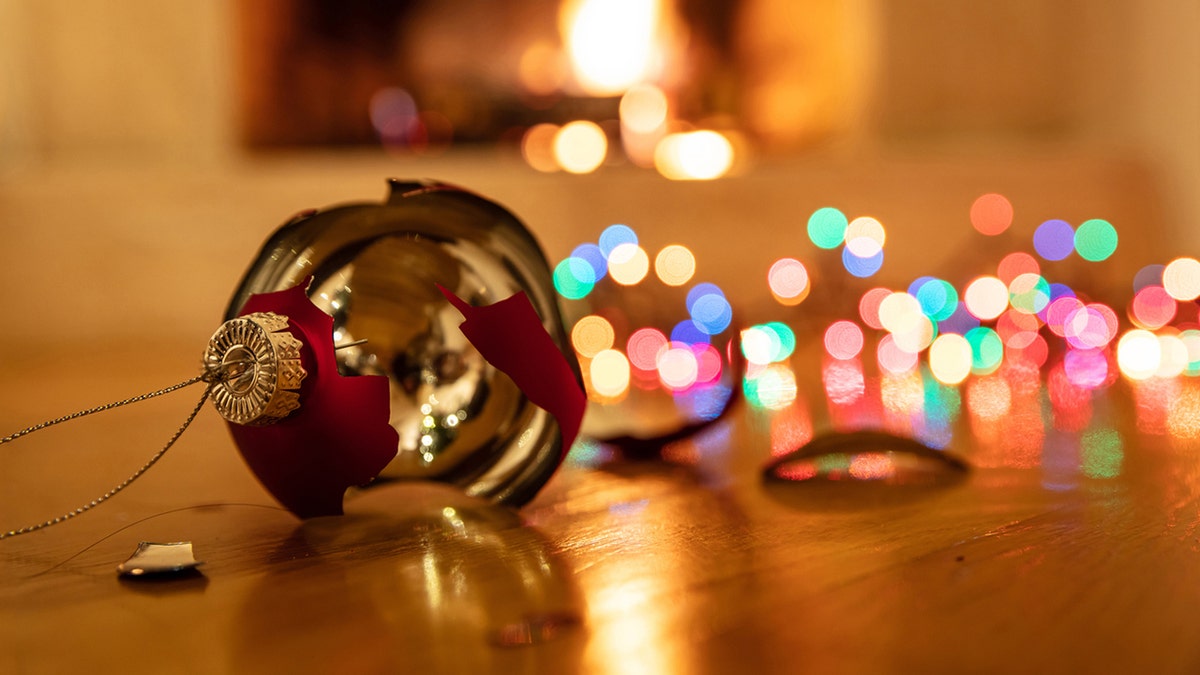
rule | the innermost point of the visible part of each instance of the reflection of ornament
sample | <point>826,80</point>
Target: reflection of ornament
<point>493,411</point>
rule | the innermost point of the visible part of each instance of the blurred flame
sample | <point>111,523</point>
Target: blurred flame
<point>614,44</point>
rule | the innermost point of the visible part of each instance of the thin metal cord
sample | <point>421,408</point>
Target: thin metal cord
<point>101,408</point>
<point>145,467</point>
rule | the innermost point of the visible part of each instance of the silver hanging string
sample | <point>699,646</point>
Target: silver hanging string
<point>213,373</point>
<point>209,377</point>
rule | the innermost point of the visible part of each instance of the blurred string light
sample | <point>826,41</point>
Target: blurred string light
<point>591,335</point>
<point>991,214</point>
<point>988,334</point>
<point>769,382</point>
<point>1181,279</point>
<point>1054,240</point>
<point>1095,240</point>
<point>1152,307</point>
<point>986,298</point>
<point>1001,317</point>
<point>789,282</point>
<point>1150,275</point>
<point>827,227</point>
<point>950,358</point>
<point>843,340</point>
<point>628,264</point>
<point>862,239</point>
<point>609,373</point>
<point>674,265</point>
<point>648,358</point>
<point>868,307</point>
<point>1015,264</point>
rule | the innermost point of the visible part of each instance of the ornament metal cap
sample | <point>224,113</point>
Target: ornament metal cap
<point>255,365</point>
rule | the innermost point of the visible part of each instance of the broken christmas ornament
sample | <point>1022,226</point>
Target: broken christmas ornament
<point>345,357</point>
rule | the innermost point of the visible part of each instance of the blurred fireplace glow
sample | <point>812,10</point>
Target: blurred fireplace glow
<point>614,44</point>
<point>626,49</point>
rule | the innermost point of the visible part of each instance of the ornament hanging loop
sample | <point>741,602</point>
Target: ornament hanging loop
<point>137,474</point>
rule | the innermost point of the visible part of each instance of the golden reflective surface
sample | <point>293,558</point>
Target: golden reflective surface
<point>1070,545</point>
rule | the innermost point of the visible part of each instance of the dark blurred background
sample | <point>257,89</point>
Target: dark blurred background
<point>221,118</point>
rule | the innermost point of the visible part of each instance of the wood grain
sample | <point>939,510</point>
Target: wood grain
<point>691,564</point>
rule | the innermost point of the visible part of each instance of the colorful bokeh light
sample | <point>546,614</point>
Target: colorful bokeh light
<point>675,264</point>
<point>1152,308</point>
<point>1054,239</point>
<point>892,358</point>
<point>537,146</point>
<point>609,373</point>
<point>773,388</point>
<point>938,298</point>
<point>1092,326</point>
<point>1181,279</point>
<point>991,214</point>
<point>574,278</point>
<point>843,340</point>
<point>712,313</point>
<point>960,321</point>
<point>768,343</point>
<point>615,235</point>
<point>628,264</point>
<point>827,227</point>
<point>950,358</point>
<point>987,350</point>
<point>1095,240</point>
<point>1150,275</point>
<point>986,298</point>
<point>1139,354</point>
<point>868,307</point>
<point>1086,368</point>
<point>688,332</point>
<point>1029,293</point>
<point>591,335</point>
<point>595,257</point>
<point>862,267</point>
<point>1015,264</point>
<point>1059,311</point>
<point>788,281</point>
<point>644,346</point>
<point>865,237</point>
<point>678,367</point>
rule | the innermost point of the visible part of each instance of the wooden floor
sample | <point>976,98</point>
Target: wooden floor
<point>692,564</point>
<point>1046,557</point>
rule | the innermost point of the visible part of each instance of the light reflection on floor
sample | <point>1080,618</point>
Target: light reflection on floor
<point>1018,417</point>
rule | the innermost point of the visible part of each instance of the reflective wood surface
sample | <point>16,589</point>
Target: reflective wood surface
<point>1072,545</point>
<point>688,564</point>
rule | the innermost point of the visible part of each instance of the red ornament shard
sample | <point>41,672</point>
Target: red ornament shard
<point>341,435</point>
<point>511,337</point>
